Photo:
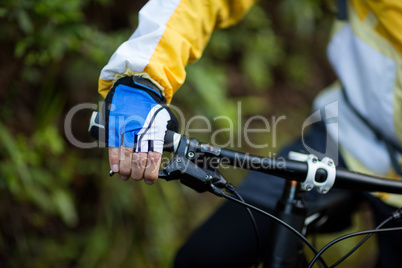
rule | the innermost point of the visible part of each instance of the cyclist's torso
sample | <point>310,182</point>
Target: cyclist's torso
<point>366,53</point>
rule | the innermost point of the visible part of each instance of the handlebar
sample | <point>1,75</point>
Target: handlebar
<point>188,151</point>
<point>285,168</point>
<point>204,176</point>
<point>172,140</point>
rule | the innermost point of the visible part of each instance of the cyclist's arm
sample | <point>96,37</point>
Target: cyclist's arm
<point>171,34</point>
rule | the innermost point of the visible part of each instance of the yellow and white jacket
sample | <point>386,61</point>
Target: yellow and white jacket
<point>365,52</point>
<point>171,34</point>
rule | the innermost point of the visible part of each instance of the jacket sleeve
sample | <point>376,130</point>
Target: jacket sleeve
<point>171,34</point>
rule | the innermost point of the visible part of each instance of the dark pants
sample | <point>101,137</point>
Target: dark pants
<point>227,238</point>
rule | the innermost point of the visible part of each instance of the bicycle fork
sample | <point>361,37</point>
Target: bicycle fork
<point>285,248</point>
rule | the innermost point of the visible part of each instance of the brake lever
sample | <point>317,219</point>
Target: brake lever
<point>162,174</point>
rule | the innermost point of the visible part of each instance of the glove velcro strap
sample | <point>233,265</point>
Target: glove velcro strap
<point>142,84</point>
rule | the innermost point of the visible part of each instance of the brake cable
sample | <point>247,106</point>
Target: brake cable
<point>396,215</point>
<point>221,193</point>
<point>231,189</point>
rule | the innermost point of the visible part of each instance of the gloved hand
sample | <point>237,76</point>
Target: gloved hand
<point>136,118</point>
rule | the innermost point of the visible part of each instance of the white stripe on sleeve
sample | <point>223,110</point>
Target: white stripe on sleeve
<point>136,52</point>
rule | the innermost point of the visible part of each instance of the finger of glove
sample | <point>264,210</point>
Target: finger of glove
<point>154,130</point>
<point>146,145</point>
<point>114,159</point>
<point>126,154</point>
<point>138,165</point>
<point>152,167</point>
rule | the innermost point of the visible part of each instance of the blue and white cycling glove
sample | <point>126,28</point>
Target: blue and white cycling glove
<point>136,115</point>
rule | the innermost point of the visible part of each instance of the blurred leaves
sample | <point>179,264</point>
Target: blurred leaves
<point>57,205</point>
<point>302,15</point>
<point>256,45</point>
<point>30,179</point>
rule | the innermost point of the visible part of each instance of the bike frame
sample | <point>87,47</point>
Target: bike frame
<point>304,173</point>
<point>284,249</point>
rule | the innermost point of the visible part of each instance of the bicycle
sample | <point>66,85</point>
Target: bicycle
<point>195,165</point>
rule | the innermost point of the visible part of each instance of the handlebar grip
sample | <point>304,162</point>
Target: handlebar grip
<point>96,127</point>
<point>172,140</point>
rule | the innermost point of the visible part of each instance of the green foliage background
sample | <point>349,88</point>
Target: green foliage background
<point>58,207</point>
